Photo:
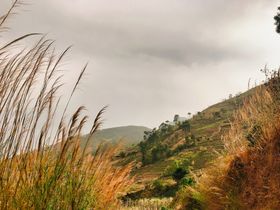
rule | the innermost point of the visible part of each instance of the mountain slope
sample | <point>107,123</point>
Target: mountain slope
<point>199,145</point>
<point>128,135</point>
<point>246,175</point>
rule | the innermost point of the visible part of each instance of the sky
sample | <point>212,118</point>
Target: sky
<point>152,59</point>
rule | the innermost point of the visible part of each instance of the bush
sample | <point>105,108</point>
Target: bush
<point>216,115</point>
<point>158,186</point>
<point>122,154</point>
<point>184,164</point>
<point>160,152</point>
<point>179,174</point>
<point>187,181</point>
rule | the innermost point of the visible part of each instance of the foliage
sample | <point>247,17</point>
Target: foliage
<point>187,181</point>
<point>158,185</point>
<point>179,174</point>
<point>122,154</point>
<point>190,140</point>
<point>159,152</point>
<point>152,150</point>
<point>42,164</point>
<point>217,115</point>
<point>277,21</point>
<point>185,126</point>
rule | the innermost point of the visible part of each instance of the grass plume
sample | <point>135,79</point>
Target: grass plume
<point>42,164</point>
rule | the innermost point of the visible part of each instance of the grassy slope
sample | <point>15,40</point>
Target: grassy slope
<point>247,175</point>
<point>129,135</point>
<point>208,131</point>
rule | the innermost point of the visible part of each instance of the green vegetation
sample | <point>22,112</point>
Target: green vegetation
<point>181,148</point>
<point>154,147</point>
<point>152,150</point>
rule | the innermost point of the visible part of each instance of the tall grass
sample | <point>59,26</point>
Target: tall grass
<point>147,204</point>
<point>41,163</point>
<point>246,175</point>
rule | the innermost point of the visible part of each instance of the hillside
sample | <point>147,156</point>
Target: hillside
<point>246,175</point>
<point>128,135</point>
<point>192,145</point>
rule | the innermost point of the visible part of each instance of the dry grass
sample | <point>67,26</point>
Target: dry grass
<point>147,204</point>
<point>42,165</point>
<point>247,174</point>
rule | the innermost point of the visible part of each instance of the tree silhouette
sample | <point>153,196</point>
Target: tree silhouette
<point>186,127</point>
<point>277,21</point>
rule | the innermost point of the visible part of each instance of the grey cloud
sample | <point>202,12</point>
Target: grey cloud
<point>182,38</point>
<point>150,59</point>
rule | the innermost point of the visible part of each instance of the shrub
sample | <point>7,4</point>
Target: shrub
<point>216,115</point>
<point>159,152</point>
<point>122,154</point>
<point>185,164</point>
<point>179,174</point>
<point>187,181</point>
<point>158,185</point>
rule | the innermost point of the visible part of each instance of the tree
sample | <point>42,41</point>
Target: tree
<point>277,21</point>
<point>150,136</point>
<point>176,118</point>
<point>147,135</point>
<point>185,126</point>
<point>143,150</point>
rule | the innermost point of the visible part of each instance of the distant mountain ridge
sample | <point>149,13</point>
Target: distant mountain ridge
<point>128,135</point>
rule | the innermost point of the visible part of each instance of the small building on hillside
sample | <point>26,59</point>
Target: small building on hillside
<point>177,119</point>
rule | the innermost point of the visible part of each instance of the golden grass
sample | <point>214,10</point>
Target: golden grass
<point>149,204</point>
<point>42,165</point>
<point>247,174</point>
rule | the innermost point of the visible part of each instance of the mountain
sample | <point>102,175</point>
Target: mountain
<point>128,135</point>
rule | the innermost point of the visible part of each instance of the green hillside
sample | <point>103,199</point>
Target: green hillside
<point>128,135</point>
<point>191,145</point>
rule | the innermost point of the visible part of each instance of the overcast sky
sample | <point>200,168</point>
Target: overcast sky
<point>151,59</point>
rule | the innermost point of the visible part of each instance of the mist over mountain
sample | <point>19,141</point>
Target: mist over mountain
<point>126,135</point>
